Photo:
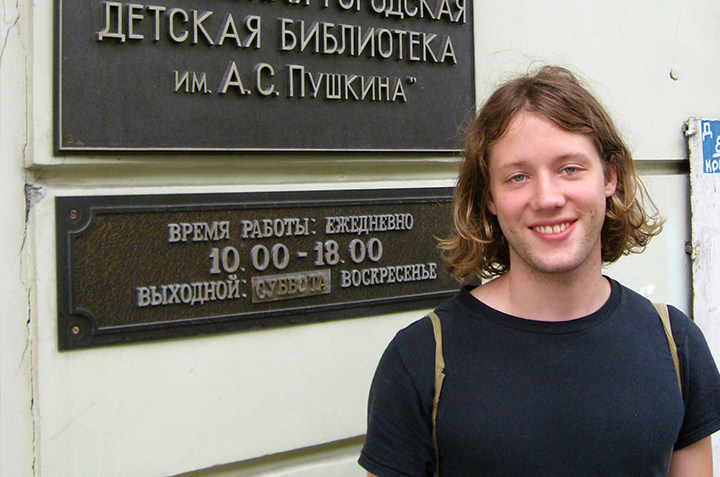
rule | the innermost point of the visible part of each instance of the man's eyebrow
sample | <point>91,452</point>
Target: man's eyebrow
<point>572,155</point>
<point>521,162</point>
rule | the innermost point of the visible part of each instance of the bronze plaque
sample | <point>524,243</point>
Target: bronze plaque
<point>135,268</point>
<point>299,75</point>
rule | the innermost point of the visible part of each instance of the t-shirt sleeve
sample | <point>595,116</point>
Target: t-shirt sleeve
<point>398,441</point>
<point>700,382</point>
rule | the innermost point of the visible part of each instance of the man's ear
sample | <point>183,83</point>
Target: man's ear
<point>491,205</point>
<point>610,180</point>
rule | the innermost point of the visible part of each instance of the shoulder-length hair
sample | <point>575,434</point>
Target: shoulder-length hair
<point>478,248</point>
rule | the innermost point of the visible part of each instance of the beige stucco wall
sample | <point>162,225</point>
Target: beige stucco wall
<point>162,408</point>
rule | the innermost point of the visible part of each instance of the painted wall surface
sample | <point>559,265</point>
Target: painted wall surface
<point>176,406</point>
<point>17,430</point>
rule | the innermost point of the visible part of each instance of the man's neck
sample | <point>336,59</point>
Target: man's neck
<point>547,297</point>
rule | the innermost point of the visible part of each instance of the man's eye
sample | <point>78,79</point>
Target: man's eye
<point>570,170</point>
<point>517,178</point>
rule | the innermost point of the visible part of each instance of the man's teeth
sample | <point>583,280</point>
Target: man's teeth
<point>551,229</point>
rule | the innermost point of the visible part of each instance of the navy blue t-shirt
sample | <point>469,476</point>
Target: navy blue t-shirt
<point>593,396</point>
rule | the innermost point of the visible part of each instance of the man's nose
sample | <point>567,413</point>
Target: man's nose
<point>548,194</point>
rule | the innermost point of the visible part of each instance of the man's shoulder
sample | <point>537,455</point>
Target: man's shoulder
<point>634,304</point>
<point>420,332</point>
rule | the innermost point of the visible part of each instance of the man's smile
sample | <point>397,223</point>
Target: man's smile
<point>551,229</point>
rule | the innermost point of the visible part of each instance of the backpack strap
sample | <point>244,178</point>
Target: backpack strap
<point>439,377</point>
<point>665,319</point>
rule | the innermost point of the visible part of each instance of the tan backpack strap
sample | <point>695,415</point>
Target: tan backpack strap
<point>665,319</point>
<point>439,377</point>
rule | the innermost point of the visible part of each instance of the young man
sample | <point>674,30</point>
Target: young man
<point>551,368</point>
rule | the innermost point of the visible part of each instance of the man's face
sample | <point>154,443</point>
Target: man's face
<point>548,191</point>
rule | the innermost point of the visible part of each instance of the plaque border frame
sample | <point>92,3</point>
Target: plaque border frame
<point>77,328</point>
<point>61,147</point>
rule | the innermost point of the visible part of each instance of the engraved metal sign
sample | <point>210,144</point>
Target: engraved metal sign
<point>135,268</point>
<point>243,75</point>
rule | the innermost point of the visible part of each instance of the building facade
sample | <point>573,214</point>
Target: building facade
<point>291,400</point>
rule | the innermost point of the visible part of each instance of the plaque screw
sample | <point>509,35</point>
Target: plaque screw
<point>75,330</point>
<point>73,214</point>
<point>69,138</point>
